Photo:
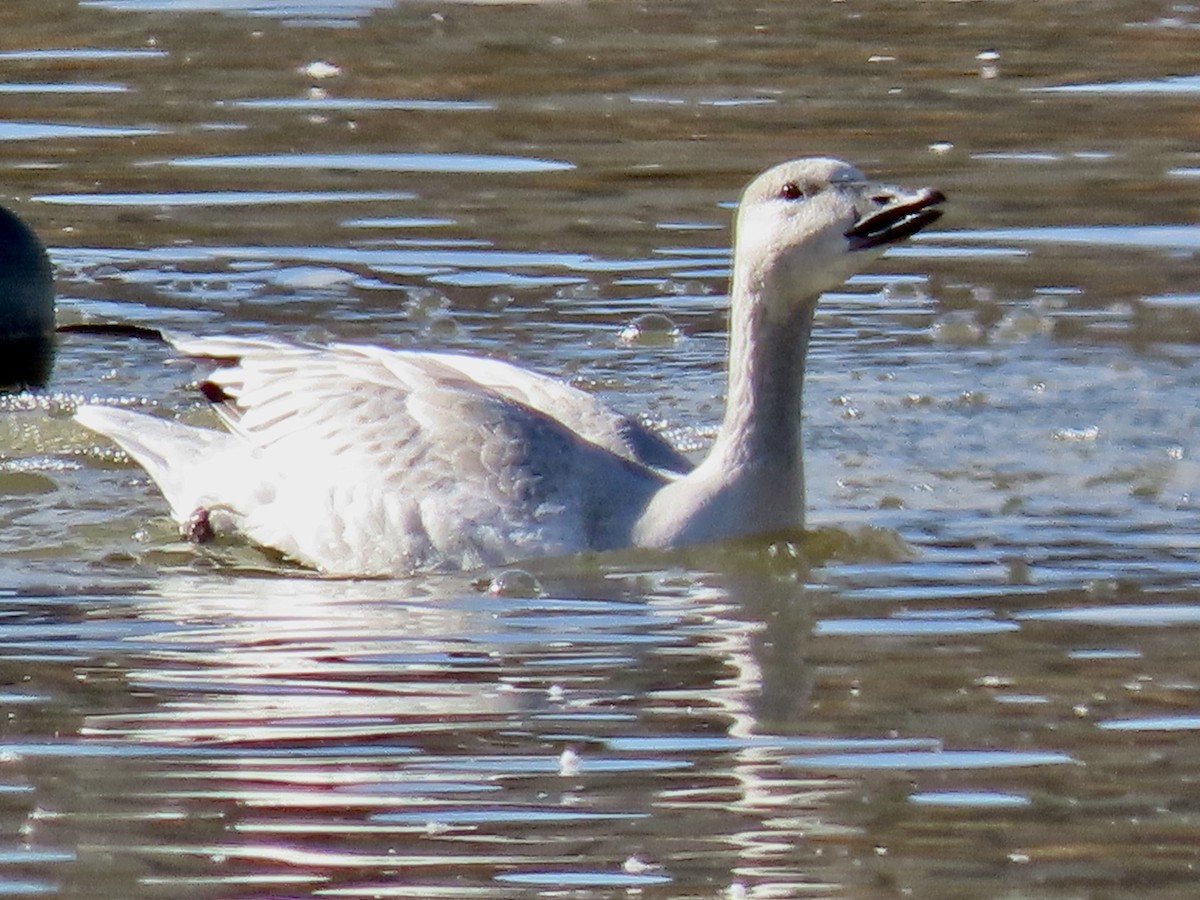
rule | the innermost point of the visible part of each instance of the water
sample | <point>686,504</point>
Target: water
<point>976,677</point>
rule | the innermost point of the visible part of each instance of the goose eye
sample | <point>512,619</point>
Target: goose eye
<point>791,191</point>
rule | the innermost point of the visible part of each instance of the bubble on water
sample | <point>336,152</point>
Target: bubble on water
<point>514,583</point>
<point>443,327</point>
<point>568,763</point>
<point>635,865</point>
<point>971,398</point>
<point>989,63</point>
<point>1021,325</point>
<point>584,290</point>
<point>649,329</point>
<point>957,327</point>
<point>904,292</point>
<point>430,308</point>
<point>1090,433</point>
<point>320,69</point>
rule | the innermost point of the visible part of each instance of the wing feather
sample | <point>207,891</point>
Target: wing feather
<point>360,460</point>
<point>261,360</point>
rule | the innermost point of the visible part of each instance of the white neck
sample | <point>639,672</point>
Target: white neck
<point>767,350</point>
<point>752,481</point>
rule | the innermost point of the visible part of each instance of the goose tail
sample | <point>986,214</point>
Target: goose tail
<point>169,451</point>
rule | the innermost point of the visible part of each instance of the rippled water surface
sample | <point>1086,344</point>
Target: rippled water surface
<point>976,676</point>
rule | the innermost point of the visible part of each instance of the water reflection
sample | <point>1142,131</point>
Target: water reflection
<point>340,735</point>
<point>274,721</point>
<point>174,727</point>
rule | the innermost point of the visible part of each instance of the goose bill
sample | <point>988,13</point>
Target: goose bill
<point>903,217</point>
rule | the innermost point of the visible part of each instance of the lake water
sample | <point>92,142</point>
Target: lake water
<point>976,676</point>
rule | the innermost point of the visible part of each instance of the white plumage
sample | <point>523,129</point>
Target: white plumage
<point>360,460</point>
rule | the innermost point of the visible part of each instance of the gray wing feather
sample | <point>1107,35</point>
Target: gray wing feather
<point>579,411</point>
<point>372,461</point>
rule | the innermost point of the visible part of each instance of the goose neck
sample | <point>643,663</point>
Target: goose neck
<point>768,346</point>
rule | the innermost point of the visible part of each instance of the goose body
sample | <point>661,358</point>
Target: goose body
<point>359,460</point>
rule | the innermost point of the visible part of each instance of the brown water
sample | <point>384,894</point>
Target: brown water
<point>977,677</point>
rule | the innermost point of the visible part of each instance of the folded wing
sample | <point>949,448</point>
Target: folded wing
<point>360,460</point>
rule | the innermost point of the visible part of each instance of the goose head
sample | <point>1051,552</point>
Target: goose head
<point>803,227</point>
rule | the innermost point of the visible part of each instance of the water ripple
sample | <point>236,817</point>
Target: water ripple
<point>221,198</point>
<point>362,104</point>
<point>453,163</point>
<point>935,760</point>
<point>39,131</point>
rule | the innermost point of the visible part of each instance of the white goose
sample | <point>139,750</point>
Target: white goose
<point>359,460</point>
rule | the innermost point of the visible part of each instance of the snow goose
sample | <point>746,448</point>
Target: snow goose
<point>363,461</point>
